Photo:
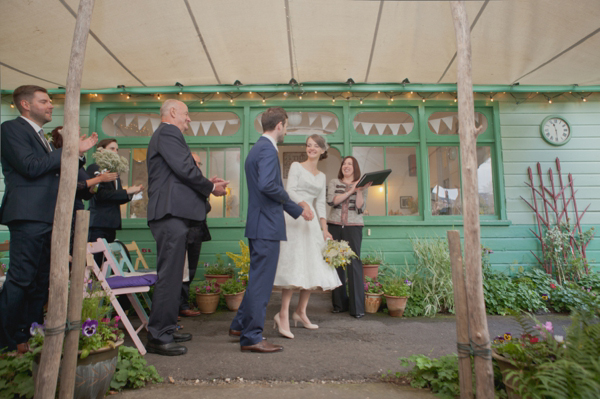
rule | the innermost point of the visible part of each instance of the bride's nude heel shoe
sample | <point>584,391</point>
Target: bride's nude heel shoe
<point>297,319</point>
<point>277,324</point>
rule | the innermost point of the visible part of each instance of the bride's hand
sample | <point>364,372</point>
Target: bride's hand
<point>327,235</point>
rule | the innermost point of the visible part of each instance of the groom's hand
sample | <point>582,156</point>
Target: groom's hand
<point>307,214</point>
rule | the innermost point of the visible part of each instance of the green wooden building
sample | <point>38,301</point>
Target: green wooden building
<point>533,64</point>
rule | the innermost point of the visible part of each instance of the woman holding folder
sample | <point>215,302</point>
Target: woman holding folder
<point>345,222</point>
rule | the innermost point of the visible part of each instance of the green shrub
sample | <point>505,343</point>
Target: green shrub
<point>396,287</point>
<point>440,375</point>
<point>132,370</point>
<point>232,286</point>
<point>432,277</point>
<point>16,377</point>
<point>219,268</point>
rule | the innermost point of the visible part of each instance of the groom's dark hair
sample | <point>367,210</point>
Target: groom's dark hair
<point>271,117</point>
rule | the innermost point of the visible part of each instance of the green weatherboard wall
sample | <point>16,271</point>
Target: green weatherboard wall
<point>518,145</point>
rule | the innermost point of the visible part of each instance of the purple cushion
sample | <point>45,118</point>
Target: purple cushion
<point>132,281</point>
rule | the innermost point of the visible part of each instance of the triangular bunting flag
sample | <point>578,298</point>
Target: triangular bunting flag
<point>367,127</point>
<point>311,118</point>
<point>195,126</point>
<point>435,123</point>
<point>356,125</point>
<point>233,121</point>
<point>220,125</point>
<point>142,119</point>
<point>448,121</point>
<point>129,119</point>
<point>337,122</point>
<point>408,127</point>
<point>380,128</point>
<point>206,126</point>
<point>395,128</point>
<point>325,120</point>
<point>155,122</point>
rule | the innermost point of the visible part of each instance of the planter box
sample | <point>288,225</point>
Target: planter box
<point>372,302</point>
<point>234,301</point>
<point>207,303</point>
<point>396,305</point>
<point>506,366</point>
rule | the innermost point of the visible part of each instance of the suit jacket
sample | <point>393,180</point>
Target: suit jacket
<point>105,205</point>
<point>176,186</point>
<point>31,174</point>
<point>267,199</point>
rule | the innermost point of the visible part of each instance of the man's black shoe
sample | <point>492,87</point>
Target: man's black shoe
<point>360,315</point>
<point>170,349</point>
<point>339,310</point>
<point>182,337</point>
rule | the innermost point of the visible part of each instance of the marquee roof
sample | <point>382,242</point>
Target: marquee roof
<point>209,42</point>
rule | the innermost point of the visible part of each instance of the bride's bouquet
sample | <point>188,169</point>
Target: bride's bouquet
<point>338,253</point>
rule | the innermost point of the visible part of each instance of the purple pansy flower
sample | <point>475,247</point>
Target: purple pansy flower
<point>89,327</point>
<point>408,282</point>
<point>37,328</point>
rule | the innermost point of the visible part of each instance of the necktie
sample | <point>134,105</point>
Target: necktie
<point>44,141</point>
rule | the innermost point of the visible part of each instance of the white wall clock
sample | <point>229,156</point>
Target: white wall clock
<point>555,130</point>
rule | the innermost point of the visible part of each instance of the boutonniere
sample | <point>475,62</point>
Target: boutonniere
<point>48,137</point>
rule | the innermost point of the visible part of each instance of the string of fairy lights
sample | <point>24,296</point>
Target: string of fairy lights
<point>355,97</point>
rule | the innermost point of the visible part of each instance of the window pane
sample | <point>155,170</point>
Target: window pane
<point>213,124</point>
<point>125,153</point>
<point>127,125</point>
<point>484,179</point>
<point>225,163</point>
<point>444,177</point>
<point>139,175</point>
<point>370,159</point>
<point>403,187</point>
<point>383,123</point>
<point>447,122</point>
<point>306,123</point>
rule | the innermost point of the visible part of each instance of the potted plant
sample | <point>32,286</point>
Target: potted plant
<point>208,294</point>
<point>373,295</point>
<point>242,261</point>
<point>99,342</point>
<point>218,271</point>
<point>396,292</point>
<point>371,264</point>
<point>233,291</point>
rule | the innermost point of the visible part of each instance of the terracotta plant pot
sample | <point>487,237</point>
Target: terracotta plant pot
<point>93,374</point>
<point>234,301</point>
<point>207,303</point>
<point>370,271</point>
<point>506,366</point>
<point>396,305</point>
<point>372,302</point>
<point>221,278</point>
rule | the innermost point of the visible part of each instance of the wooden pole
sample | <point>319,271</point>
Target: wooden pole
<point>465,372</point>
<point>484,375</point>
<point>69,362</point>
<point>45,386</point>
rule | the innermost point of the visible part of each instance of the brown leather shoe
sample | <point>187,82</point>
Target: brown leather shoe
<point>189,313</point>
<point>23,348</point>
<point>262,347</point>
<point>235,333</point>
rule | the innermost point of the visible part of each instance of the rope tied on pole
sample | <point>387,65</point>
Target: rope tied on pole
<point>68,326</point>
<point>472,348</point>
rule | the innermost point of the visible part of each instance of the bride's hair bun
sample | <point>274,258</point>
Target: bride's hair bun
<point>323,156</point>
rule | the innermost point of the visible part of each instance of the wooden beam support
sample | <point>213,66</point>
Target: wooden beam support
<point>45,385</point>
<point>480,337</point>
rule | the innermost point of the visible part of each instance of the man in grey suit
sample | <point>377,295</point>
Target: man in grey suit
<point>177,193</point>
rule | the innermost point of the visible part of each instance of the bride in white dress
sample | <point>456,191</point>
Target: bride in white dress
<point>301,265</point>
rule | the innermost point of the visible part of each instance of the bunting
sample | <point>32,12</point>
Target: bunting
<point>195,126</point>
<point>155,122</point>
<point>220,125</point>
<point>206,126</point>
<point>380,128</point>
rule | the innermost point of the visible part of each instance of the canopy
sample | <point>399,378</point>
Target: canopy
<point>209,42</point>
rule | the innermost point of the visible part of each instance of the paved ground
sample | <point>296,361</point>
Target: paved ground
<point>343,349</point>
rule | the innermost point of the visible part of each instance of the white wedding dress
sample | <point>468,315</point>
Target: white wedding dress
<point>301,263</point>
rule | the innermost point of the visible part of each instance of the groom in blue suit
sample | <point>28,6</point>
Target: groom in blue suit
<point>265,228</point>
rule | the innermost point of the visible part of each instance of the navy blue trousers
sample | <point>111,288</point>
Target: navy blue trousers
<point>250,318</point>
<point>25,290</point>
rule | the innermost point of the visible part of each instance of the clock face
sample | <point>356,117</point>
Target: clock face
<point>555,130</point>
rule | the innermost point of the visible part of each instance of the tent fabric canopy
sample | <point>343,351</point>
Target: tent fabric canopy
<point>207,42</point>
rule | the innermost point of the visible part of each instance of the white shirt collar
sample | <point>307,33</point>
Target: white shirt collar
<point>272,140</point>
<point>33,124</point>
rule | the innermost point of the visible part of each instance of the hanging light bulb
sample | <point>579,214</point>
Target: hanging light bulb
<point>361,101</point>
<point>584,99</point>
<point>392,99</point>
<point>300,96</point>
<point>128,96</point>
<point>12,105</point>
<point>180,92</point>
<point>491,99</point>
<point>249,92</point>
<point>423,100</point>
<point>158,96</point>
<point>455,99</point>
<point>217,92</point>
<point>201,101</point>
<point>264,100</point>
<point>549,101</point>
<point>231,100</point>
